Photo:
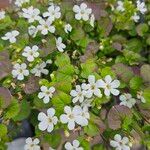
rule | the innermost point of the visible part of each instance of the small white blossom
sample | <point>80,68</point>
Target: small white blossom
<point>87,103</point>
<point>11,36</point>
<point>74,146</point>
<point>82,12</point>
<point>92,20</point>
<point>141,7</point>
<point>2,14</point>
<point>32,30</point>
<point>140,96</point>
<point>72,116</point>
<point>120,6</point>
<point>78,94</point>
<point>19,3</point>
<point>68,28</point>
<point>92,87</point>
<point>135,17</point>
<point>60,46</point>
<point>46,93</point>
<point>39,69</point>
<point>109,86</point>
<point>19,71</point>
<point>46,26</point>
<point>127,100</point>
<point>120,143</point>
<point>31,53</point>
<point>31,14</point>
<point>53,13</point>
<point>32,144</point>
<point>48,121</point>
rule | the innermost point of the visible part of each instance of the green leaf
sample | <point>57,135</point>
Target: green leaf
<point>53,139</point>
<point>24,111</point>
<point>60,100</point>
<point>142,29</point>
<point>107,70</point>
<point>91,129</point>
<point>135,83</point>
<point>3,130</point>
<point>145,73</point>
<point>88,68</point>
<point>7,22</point>
<point>146,95</point>
<point>12,110</point>
<point>99,147</point>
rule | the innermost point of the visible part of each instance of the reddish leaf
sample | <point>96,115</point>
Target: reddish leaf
<point>32,85</point>
<point>6,96</point>
<point>115,115</point>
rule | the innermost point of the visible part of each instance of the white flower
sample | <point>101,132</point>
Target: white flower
<point>2,14</point>
<point>109,86</point>
<point>78,94</point>
<point>46,93</point>
<point>92,20</point>
<point>53,13</point>
<point>48,121</point>
<point>60,46</point>
<point>141,7</point>
<point>120,6</point>
<point>32,30</point>
<point>92,87</point>
<point>19,3</point>
<point>39,69</point>
<point>32,144</point>
<point>19,71</point>
<point>46,26</point>
<point>82,12</point>
<point>31,53</point>
<point>87,103</point>
<point>72,116</point>
<point>120,143</point>
<point>127,100</point>
<point>68,28</point>
<point>31,14</point>
<point>140,96</point>
<point>74,146</point>
<point>135,17</point>
<point>11,36</point>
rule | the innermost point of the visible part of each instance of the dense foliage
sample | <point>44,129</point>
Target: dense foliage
<point>78,72</point>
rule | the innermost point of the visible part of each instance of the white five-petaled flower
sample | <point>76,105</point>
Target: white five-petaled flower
<point>53,13</point>
<point>120,143</point>
<point>11,36</point>
<point>48,121</point>
<point>31,53</point>
<point>140,96</point>
<point>39,69</point>
<point>2,14</point>
<point>78,94</point>
<point>19,3</point>
<point>135,17</point>
<point>19,71</point>
<point>46,93</point>
<point>141,7</point>
<point>74,146</point>
<point>82,12</point>
<point>92,87</point>
<point>32,30</point>
<point>120,6</point>
<point>60,46</point>
<point>68,28</point>
<point>31,14</point>
<point>92,20</point>
<point>32,144</point>
<point>109,86</point>
<point>46,26</point>
<point>127,100</point>
<point>72,116</point>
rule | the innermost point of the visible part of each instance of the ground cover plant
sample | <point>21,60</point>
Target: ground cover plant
<point>78,72</point>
